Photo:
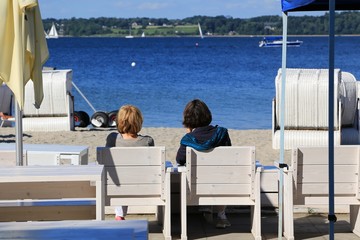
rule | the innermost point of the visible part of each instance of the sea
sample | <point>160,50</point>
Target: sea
<point>232,75</point>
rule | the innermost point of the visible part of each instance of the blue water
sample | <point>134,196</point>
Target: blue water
<point>232,75</point>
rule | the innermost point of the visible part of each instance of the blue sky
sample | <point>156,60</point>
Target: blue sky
<point>171,9</point>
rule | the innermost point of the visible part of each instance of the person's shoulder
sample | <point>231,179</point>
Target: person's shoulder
<point>112,135</point>
<point>145,136</point>
<point>148,139</point>
<point>111,139</point>
<point>220,128</point>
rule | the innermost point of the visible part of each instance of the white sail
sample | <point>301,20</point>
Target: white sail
<point>200,31</point>
<point>143,34</point>
<point>129,36</point>
<point>52,33</point>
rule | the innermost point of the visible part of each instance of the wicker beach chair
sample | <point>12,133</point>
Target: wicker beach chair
<point>56,112</point>
<point>306,108</point>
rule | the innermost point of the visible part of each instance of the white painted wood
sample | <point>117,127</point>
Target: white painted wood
<point>221,176</point>
<point>45,154</point>
<point>137,176</point>
<point>306,182</point>
<point>222,189</point>
<point>8,157</point>
<point>134,175</point>
<point>53,182</point>
<point>133,190</point>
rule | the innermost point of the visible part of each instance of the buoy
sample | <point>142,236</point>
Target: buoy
<point>133,64</point>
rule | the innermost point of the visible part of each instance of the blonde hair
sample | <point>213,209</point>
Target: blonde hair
<point>129,119</point>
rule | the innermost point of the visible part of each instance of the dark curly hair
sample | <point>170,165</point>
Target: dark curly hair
<point>196,114</point>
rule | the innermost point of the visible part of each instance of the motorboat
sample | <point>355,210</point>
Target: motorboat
<point>277,42</point>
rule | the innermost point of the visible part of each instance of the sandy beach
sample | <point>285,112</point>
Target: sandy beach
<point>168,137</point>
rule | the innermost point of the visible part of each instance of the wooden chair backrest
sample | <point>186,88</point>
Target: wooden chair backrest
<point>311,178</point>
<point>133,171</point>
<point>222,171</point>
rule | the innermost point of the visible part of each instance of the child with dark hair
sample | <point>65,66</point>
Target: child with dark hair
<point>201,135</point>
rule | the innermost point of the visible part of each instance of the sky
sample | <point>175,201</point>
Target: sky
<point>171,9</point>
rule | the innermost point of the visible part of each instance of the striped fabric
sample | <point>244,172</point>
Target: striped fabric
<point>306,98</point>
<point>348,98</point>
<point>293,139</point>
<point>56,110</point>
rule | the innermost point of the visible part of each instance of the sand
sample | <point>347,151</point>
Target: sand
<point>168,137</point>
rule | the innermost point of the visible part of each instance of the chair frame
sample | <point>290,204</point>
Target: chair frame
<point>233,179</point>
<point>306,182</point>
<point>137,176</point>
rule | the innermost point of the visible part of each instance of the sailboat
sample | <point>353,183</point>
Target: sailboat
<point>200,31</point>
<point>143,34</point>
<point>129,36</point>
<point>52,33</point>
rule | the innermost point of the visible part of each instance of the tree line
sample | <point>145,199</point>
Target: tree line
<point>345,23</point>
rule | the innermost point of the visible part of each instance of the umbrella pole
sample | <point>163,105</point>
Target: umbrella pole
<point>282,124</point>
<point>331,216</point>
<point>19,135</point>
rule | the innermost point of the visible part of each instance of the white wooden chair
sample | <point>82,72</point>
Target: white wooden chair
<point>306,182</point>
<point>137,176</point>
<point>221,176</point>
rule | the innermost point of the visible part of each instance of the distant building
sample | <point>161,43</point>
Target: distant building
<point>61,31</point>
<point>270,26</point>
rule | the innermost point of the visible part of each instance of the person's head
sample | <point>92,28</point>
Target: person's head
<point>196,114</point>
<point>129,120</point>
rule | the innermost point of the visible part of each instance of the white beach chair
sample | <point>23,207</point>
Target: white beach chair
<point>306,183</point>
<point>306,108</point>
<point>137,176</point>
<point>57,109</point>
<point>221,176</point>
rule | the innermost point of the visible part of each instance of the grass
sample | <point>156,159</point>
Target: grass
<point>187,30</point>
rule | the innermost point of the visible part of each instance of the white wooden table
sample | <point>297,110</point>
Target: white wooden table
<point>24,184</point>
